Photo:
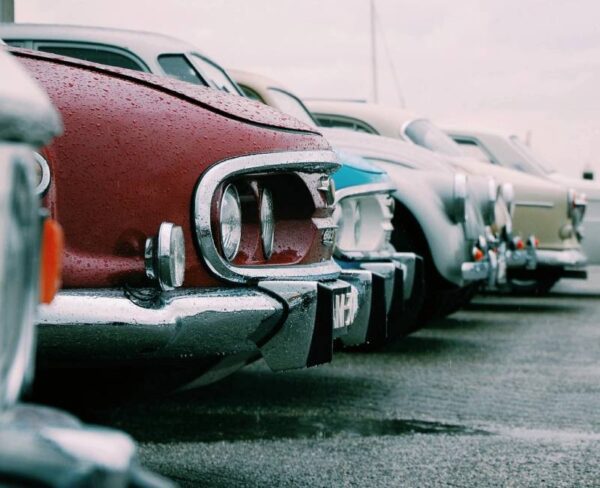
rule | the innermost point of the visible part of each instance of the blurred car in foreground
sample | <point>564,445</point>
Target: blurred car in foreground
<point>541,208</point>
<point>40,446</point>
<point>511,152</point>
<point>212,229</point>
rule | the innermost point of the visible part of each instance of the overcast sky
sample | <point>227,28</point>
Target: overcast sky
<point>510,66</point>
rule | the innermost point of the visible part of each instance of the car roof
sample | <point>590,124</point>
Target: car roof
<point>146,44</point>
<point>385,119</point>
<point>234,106</point>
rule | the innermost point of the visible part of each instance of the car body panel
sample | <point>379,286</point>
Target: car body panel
<point>501,152</point>
<point>125,149</point>
<point>541,205</point>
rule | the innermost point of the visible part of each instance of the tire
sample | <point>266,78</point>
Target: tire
<point>532,287</point>
<point>440,298</point>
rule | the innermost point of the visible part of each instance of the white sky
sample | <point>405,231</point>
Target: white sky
<point>510,66</point>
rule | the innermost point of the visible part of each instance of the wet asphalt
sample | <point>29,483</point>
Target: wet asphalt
<point>503,393</point>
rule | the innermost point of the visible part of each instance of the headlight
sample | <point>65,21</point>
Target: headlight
<point>230,219</point>
<point>267,222</point>
<point>459,201</point>
<point>19,272</point>
<point>364,224</point>
<point>576,204</point>
<point>507,190</point>
<point>165,256</point>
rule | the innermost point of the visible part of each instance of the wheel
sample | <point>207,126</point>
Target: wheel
<point>532,287</point>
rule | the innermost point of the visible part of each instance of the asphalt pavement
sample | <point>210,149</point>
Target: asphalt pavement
<point>504,393</point>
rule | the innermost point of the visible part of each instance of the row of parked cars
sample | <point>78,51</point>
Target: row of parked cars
<point>212,217</point>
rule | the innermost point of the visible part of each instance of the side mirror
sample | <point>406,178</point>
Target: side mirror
<point>588,174</point>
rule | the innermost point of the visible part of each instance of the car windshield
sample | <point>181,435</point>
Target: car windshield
<point>214,75</point>
<point>531,163</point>
<point>289,104</point>
<point>423,133</point>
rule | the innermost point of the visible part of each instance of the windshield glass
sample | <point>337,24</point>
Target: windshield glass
<point>214,75</point>
<point>289,104</point>
<point>426,134</point>
<point>531,163</point>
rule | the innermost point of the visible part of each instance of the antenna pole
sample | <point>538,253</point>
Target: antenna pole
<point>373,53</point>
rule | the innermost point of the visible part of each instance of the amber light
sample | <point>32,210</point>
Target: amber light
<point>51,260</point>
<point>478,254</point>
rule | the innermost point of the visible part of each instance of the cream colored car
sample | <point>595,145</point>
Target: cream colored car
<point>542,208</point>
<point>510,152</point>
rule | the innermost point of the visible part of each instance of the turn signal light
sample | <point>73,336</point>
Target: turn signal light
<point>51,260</point>
<point>478,254</point>
<point>520,245</point>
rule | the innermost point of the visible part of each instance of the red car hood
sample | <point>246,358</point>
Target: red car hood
<point>231,105</point>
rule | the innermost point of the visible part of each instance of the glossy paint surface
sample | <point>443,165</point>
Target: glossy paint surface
<point>130,158</point>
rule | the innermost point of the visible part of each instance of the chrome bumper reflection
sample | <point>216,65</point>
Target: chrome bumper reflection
<point>290,323</point>
<point>476,271</point>
<point>569,258</point>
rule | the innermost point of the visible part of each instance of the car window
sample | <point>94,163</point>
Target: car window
<point>95,54</point>
<point>177,66</point>
<point>341,122</point>
<point>474,150</point>
<point>215,76</point>
<point>424,133</point>
<point>251,94</point>
<point>291,105</point>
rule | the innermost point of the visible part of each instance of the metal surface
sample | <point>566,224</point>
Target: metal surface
<point>278,320</point>
<point>362,281</point>
<point>476,271</point>
<point>567,258</point>
<point>45,176</point>
<point>297,161</point>
<point>19,269</point>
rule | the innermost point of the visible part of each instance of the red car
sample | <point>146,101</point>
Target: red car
<point>198,225</point>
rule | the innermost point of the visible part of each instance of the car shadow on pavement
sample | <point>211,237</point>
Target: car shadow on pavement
<point>520,307</point>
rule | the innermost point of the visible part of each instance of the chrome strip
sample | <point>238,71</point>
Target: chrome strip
<point>300,161</point>
<point>531,203</point>
<point>567,257</point>
<point>363,190</point>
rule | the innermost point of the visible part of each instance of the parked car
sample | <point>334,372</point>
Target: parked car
<point>437,215</point>
<point>511,152</point>
<point>136,50</point>
<point>212,231</point>
<point>540,207</point>
<point>364,205</point>
<point>40,446</point>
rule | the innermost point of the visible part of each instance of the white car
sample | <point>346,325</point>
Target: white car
<point>511,152</point>
<point>543,209</point>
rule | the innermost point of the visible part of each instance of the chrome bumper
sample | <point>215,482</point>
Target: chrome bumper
<point>570,258</point>
<point>477,271</point>
<point>292,324</point>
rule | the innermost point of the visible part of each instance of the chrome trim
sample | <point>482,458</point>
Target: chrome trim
<point>44,183</point>
<point>298,161</point>
<point>159,253</point>
<point>530,203</point>
<point>408,262</point>
<point>568,257</point>
<point>266,202</point>
<point>362,282</point>
<point>475,271</point>
<point>104,324</point>
<point>359,190</point>
<point>383,189</point>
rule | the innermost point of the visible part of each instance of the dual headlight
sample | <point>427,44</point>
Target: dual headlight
<point>230,221</point>
<point>364,223</point>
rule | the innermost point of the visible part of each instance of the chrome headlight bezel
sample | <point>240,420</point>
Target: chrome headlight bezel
<point>43,174</point>
<point>364,218</point>
<point>459,198</point>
